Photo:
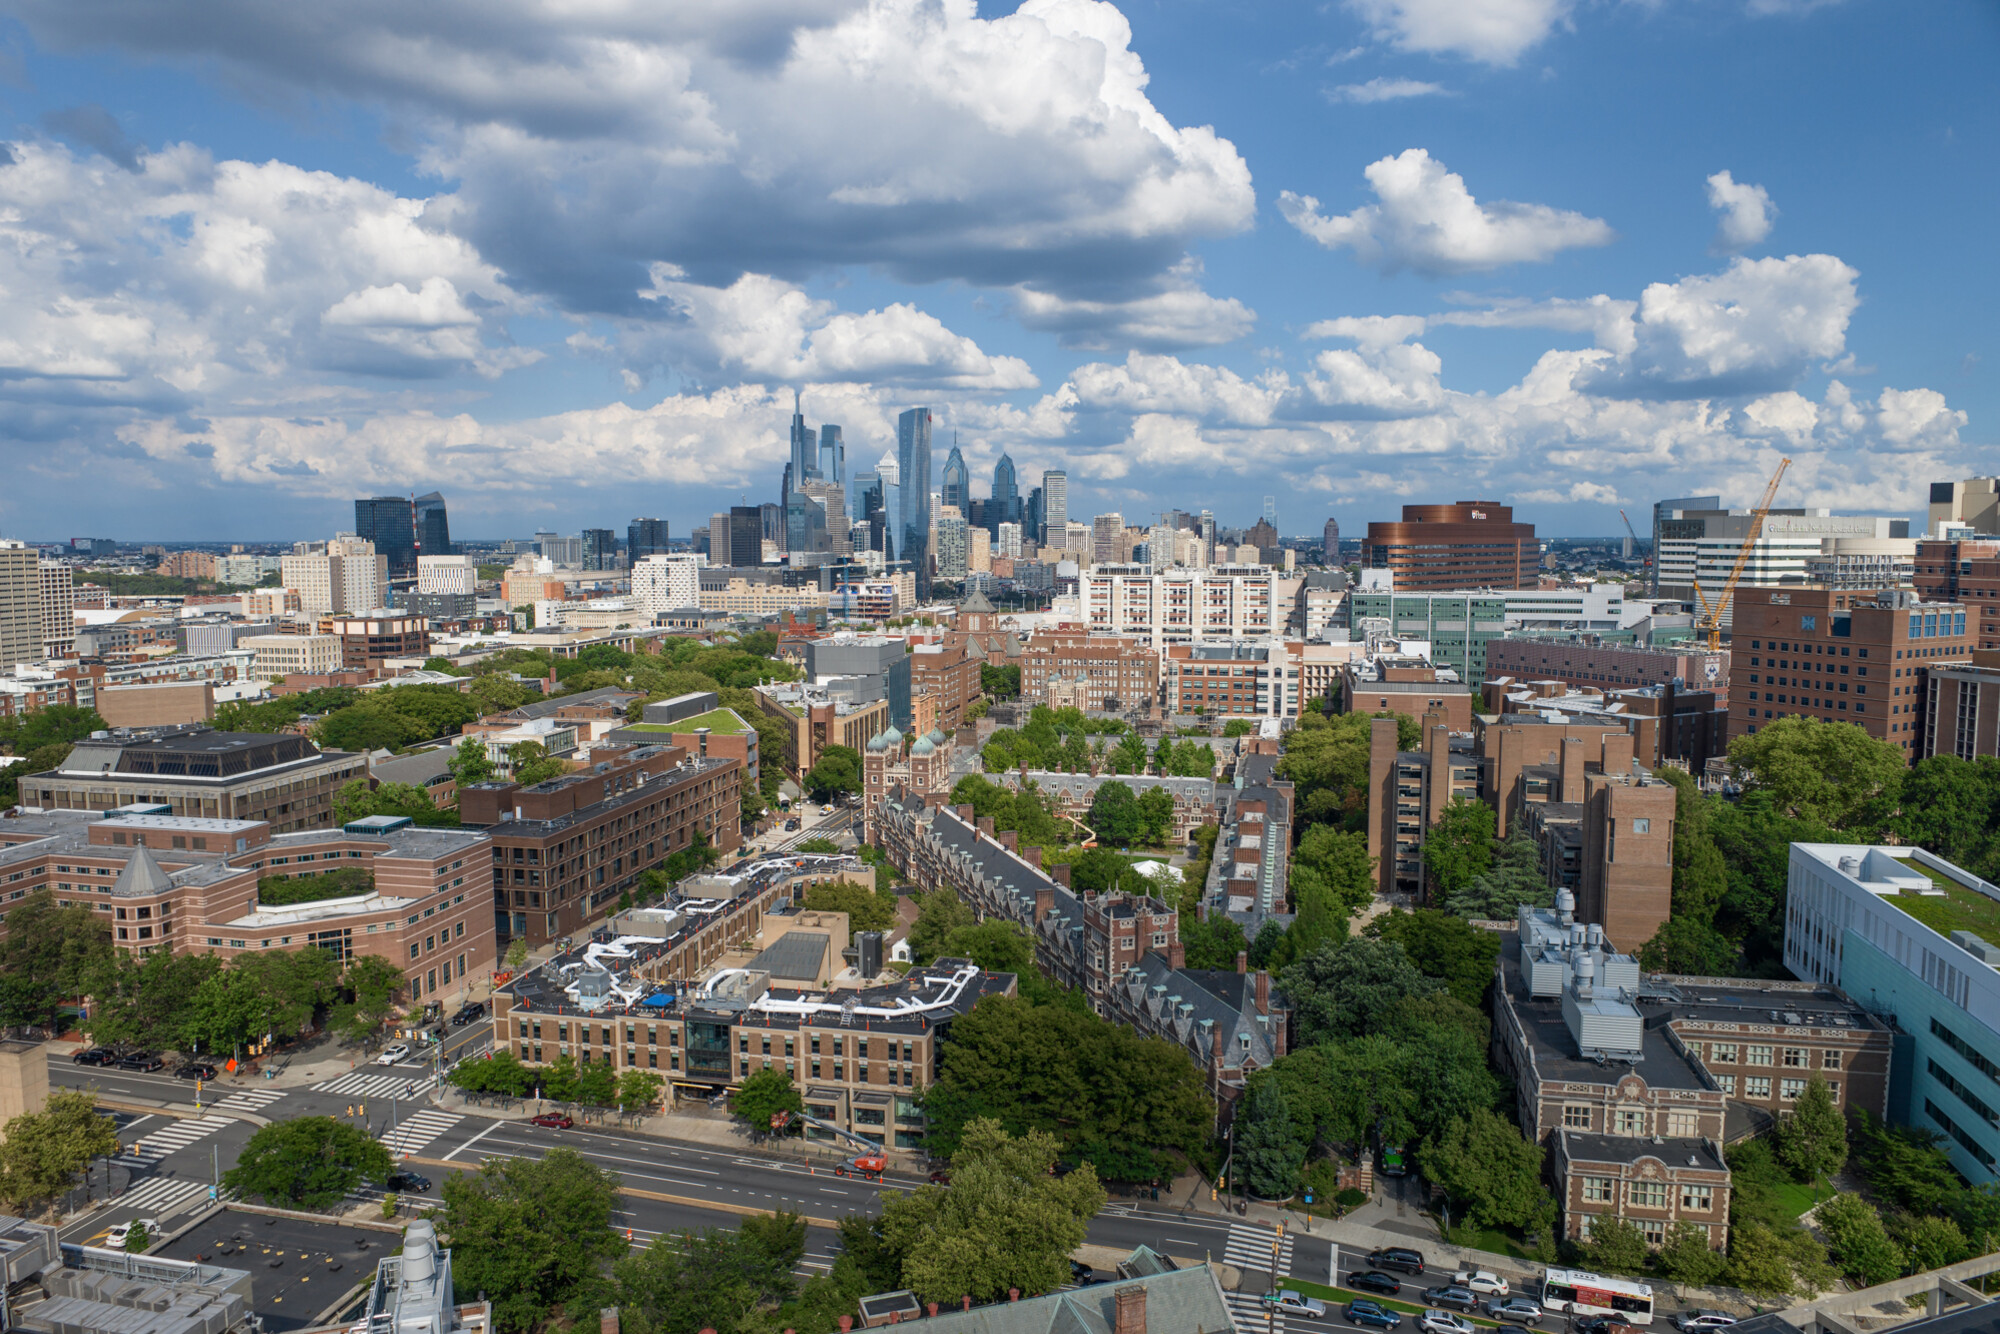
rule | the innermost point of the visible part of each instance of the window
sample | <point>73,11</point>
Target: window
<point>1683,1125</point>
<point>1727,1083</point>
<point>1649,1194</point>
<point>1698,1199</point>
<point>413,950</point>
<point>1654,1231</point>
<point>1597,1190</point>
<point>1757,1086</point>
<point>1722,1053</point>
<point>1758,1056</point>
<point>1796,1058</point>
<point>1629,1121</point>
<point>1642,826</point>
<point>1576,1116</point>
<point>1791,1090</point>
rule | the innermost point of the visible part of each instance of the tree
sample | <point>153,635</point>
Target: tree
<point>764,1095</point>
<point>1759,1261</point>
<point>39,760</point>
<point>1459,846</point>
<point>821,845</point>
<point>1829,773</point>
<point>838,771</point>
<point>1514,878</point>
<point>44,1152</point>
<point>1688,945</point>
<point>470,763</point>
<point>517,953</point>
<point>49,955</point>
<point>1006,1221</point>
<point>1443,947</point>
<point>999,682</point>
<point>1857,1241</point>
<point>1348,987</point>
<point>1905,1165</point>
<point>530,764</point>
<point>1812,1141</point>
<point>1483,1162</point>
<point>596,1084</point>
<point>1213,941</point>
<point>866,909</point>
<point>639,1091</point>
<point>1754,836</point>
<point>309,1162</point>
<point>1132,1106</point>
<point>50,725</point>
<point>496,694</point>
<point>1686,1257</point>
<point>1929,1242</point>
<point>1269,1151</point>
<point>1615,1246</point>
<point>1701,877</point>
<point>531,1233</point>
<point>1114,814</point>
<point>1130,755</point>
<point>1332,872</point>
<point>373,982</point>
<point>138,1239</point>
<point>149,1001</point>
<point>356,800</point>
<point>939,913</point>
<point>1156,816</point>
<point>713,1279</point>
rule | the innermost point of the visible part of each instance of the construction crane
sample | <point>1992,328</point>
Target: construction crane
<point>870,1163</point>
<point>1632,540</point>
<point>1708,620</point>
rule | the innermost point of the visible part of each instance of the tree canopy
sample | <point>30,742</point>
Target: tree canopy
<point>43,1154</point>
<point>308,1162</point>
<point>1827,773</point>
<point>532,1233</point>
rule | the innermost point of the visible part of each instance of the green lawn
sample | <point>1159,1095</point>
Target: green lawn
<point>715,720</point>
<point>1486,1239</point>
<point>1960,909</point>
<point>1795,1198</point>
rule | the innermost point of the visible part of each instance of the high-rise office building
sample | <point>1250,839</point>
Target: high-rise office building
<point>772,518</point>
<point>1031,516</point>
<point>1470,544</point>
<point>600,549</point>
<point>1664,512</point>
<point>832,456</point>
<point>955,483</point>
<point>389,522</point>
<point>864,498</point>
<point>645,537</point>
<point>805,524</point>
<point>447,574</point>
<point>1006,507</point>
<point>913,495</point>
<point>20,603</point>
<point>433,528</point>
<point>1107,539</point>
<point>1055,506</point>
<point>805,450</point>
<point>1330,542</point>
<point>951,546</point>
<point>737,539</point>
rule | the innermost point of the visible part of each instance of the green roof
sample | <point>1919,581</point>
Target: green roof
<point>1960,909</point>
<point>715,720</point>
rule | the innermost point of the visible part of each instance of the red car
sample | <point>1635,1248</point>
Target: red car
<point>554,1120</point>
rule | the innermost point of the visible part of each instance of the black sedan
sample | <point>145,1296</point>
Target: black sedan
<point>408,1183</point>
<point>195,1070</point>
<point>1374,1280</point>
<point>143,1061</point>
<point>96,1056</point>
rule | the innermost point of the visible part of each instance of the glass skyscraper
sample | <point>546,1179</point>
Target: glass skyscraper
<point>1006,506</point>
<point>389,522</point>
<point>645,537</point>
<point>913,496</point>
<point>433,529</point>
<point>832,456</point>
<point>956,483</point>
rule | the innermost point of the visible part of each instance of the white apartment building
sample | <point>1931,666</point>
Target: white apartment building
<point>1008,542</point>
<point>278,656</point>
<point>447,574</point>
<point>667,582</point>
<point>58,610</point>
<point>1184,606</point>
<point>343,577</point>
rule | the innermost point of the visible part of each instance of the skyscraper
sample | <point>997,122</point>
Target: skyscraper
<point>20,603</point>
<point>741,541</point>
<point>913,496</point>
<point>389,522</point>
<point>1031,516</point>
<point>956,482</point>
<point>600,549</point>
<point>1330,542</point>
<point>805,451</point>
<point>645,537</point>
<point>832,456</point>
<point>433,530</point>
<point>1006,507</point>
<point>1055,504</point>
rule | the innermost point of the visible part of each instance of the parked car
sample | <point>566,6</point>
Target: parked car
<point>1450,1294</point>
<point>1080,1273</point>
<point>1372,1314</point>
<point>1395,1160</point>
<point>1293,1303</point>
<point>476,1010</point>
<point>1482,1281</point>
<point>393,1053</point>
<point>1397,1257</point>
<point>553,1120</point>
<point>96,1056</point>
<point>195,1070</point>
<point>1610,1323</point>
<point>1370,1280</point>
<point>140,1060</point>
<point>1521,1310</point>
<point>1444,1322</point>
<point>408,1183</point>
<point>941,1176</point>
<point>1690,1321</point>
<point>121,1232</point>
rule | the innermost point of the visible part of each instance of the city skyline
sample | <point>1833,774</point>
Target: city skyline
<point>1374,255</point>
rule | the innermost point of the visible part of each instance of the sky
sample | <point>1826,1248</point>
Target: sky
<point>566,260</point>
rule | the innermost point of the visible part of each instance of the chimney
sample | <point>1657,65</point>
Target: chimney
<point>986,825</point>
<point>1242,962</point>
<point>964,813</point>
<point>1218,1045</point>
<point>1177,955</point>
<point>1263,991</point>
<point>1010,840</point>
<point>1045,899</point>
<point>1131,1317</point>
<point>607,1321</point>
<point>1032,856</point>
<point>1061,873</point>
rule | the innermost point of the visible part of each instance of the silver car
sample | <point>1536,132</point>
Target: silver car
<point>1445,1322</point>
<point>1691,1322</point>
<point>1519,1310</point>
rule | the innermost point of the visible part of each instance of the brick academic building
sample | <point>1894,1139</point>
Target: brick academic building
<point>1470,544</point>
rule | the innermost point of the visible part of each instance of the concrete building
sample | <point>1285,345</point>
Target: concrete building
<point>1180,606</point>
<point>20,603</point>
<point>698,724</point>
<point>814,719</point>
<point>1470,544</point>
<point>1973,503</point>
<point>1703,544</point>
<point>24,1078</point>
<point>58,610</point>
<point>367,642</point>
<point>1962,707</point>
<point>156,704</point>
<point>345,576</point>
<point>447,574</point>
<point>1916,940</point>
<point>1070,668</point>
<point>1843,656</point>
<point>279,656</point>
<point>662,582</point>
<point>860,667</point>
<point>564,850</point>
<point>277,778</point>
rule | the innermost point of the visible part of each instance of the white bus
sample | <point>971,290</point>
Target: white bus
<point>1580,1292</point>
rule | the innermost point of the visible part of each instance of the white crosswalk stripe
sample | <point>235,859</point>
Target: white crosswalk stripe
<point>247,1100</point>
<point>419,1129</point>
<point>1250,1248</point>
<point>163,1197</point>
<point>1249,1313</point>
<point>360,1085</point>
<point>160,1143</point>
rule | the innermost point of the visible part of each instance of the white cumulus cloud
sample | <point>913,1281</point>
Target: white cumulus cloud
<point>1747,213</point>
<point>1384,90</point>
<point>1428,221</point>
<point>1494,32</point>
